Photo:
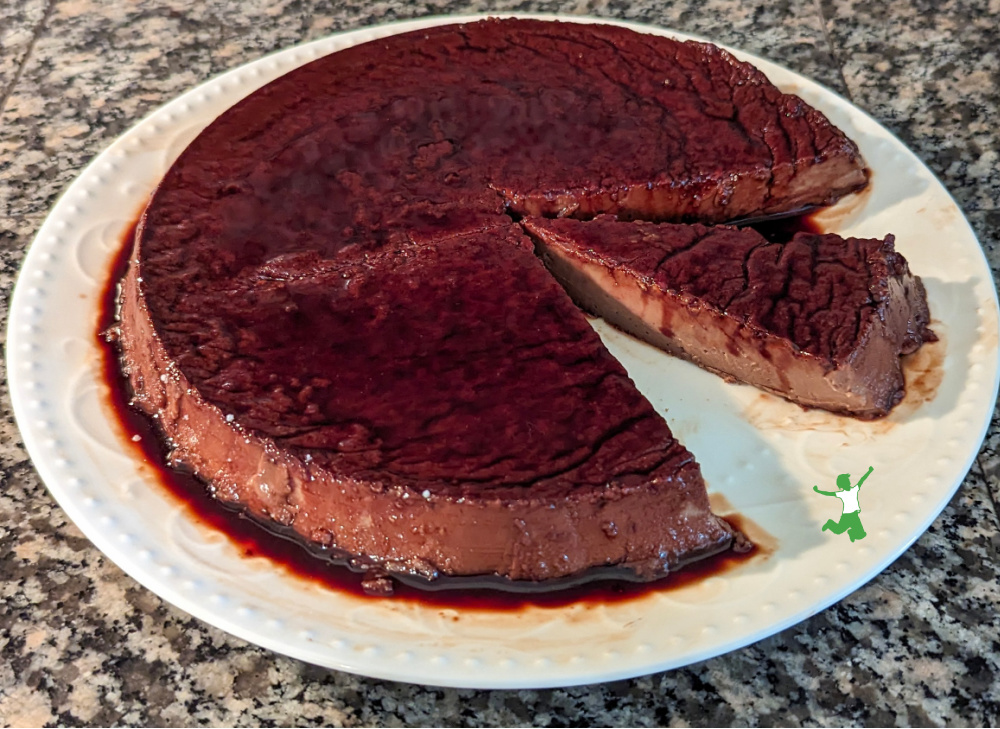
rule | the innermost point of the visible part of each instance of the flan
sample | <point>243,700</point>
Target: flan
<point>337,323</point>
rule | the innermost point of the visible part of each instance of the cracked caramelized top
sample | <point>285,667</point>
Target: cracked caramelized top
<point>410,133</point>
<point>330,263</point>
<point>461,358</point>
<point>818,291</point>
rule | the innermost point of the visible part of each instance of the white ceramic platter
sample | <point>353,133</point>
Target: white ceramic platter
<point>760,454</point>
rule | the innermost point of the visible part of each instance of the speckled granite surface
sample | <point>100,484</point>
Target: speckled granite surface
<point>84,644</point>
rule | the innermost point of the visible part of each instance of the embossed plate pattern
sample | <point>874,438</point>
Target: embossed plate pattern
<point>763,455</point>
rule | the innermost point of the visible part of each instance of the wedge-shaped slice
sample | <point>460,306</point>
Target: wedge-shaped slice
<point>438,409</point>
<point>820,320</point>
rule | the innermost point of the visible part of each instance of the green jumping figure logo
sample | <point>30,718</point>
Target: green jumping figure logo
<point>850,520</point>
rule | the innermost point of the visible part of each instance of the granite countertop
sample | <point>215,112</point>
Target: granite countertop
<point>83,644</point>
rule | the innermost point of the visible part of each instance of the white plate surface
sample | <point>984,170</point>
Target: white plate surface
<point>761,454</point>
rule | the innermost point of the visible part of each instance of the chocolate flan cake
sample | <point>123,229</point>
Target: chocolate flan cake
<point>337,322</point>
<point>819,319</point>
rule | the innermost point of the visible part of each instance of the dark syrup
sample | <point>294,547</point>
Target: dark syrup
<point>253,539</point>
<point>782,230</point>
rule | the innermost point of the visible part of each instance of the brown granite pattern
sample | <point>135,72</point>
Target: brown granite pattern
<point>82,644</point>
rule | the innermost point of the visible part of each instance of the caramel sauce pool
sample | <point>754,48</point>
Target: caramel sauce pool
<point>252,540</point>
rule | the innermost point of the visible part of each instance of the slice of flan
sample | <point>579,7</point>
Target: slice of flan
<point>820,320</point>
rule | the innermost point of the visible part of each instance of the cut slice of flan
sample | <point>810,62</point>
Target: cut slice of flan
<point>820,320</point>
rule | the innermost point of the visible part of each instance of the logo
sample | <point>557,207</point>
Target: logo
<point>850,519</point>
